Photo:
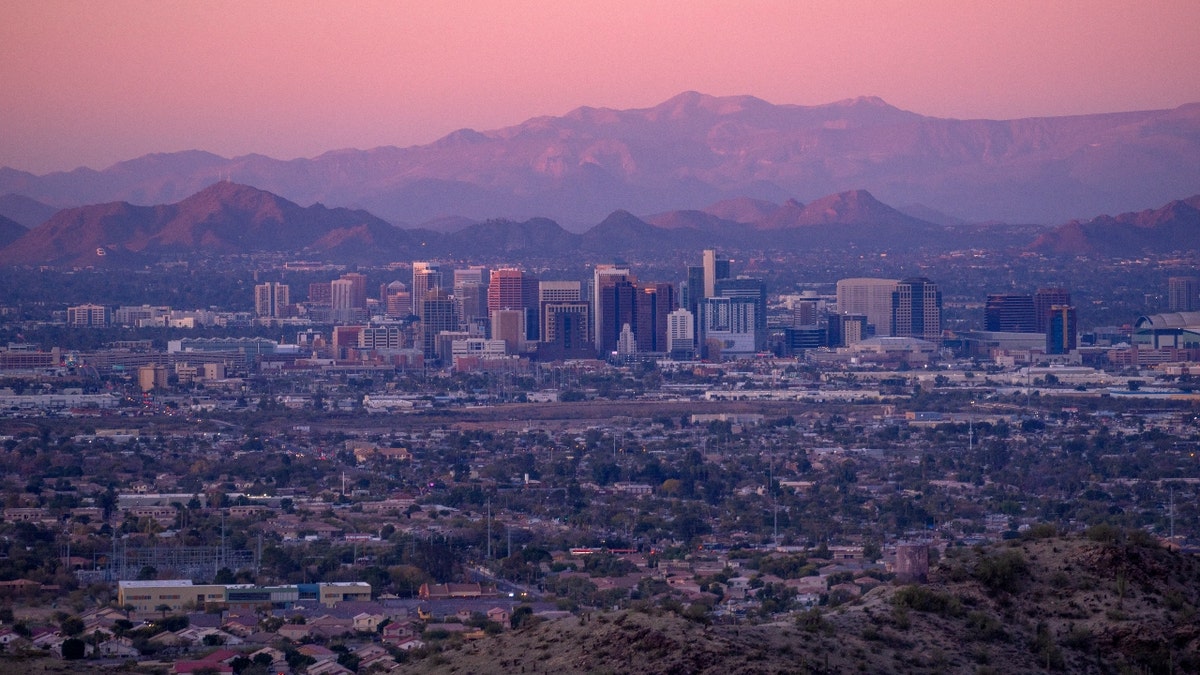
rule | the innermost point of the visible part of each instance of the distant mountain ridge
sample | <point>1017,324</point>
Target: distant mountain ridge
<point>693,150</point>
<point>1172,227</point>
<point>228,218</point>
<point>224,218</point>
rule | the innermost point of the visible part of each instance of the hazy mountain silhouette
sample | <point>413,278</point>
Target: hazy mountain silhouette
<point>228,218</point>
<point>221,219</point>
<point>28,212</point>
<point>10,231</point>
<point>694,149</point>
<point>1173,227</point>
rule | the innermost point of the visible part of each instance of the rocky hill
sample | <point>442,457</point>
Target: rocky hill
<point>693,149</point>
<point>1110,603</point>
<point>225,218</point>
<point>1172,227</point>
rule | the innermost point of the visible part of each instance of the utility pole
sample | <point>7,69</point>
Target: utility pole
<point>489,529</point>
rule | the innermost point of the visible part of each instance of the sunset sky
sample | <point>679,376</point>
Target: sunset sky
<point>92,83</point>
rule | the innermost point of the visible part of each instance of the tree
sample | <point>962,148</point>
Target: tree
<point>73,649</point>
<point>72,626</point>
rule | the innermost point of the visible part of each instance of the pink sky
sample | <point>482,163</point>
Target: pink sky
<point>92,83</point>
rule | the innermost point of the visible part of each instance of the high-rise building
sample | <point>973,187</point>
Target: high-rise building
<point>691,291</point>
<point>728,327</point>
<point>427,277</point>
<point>1010,314</point>
<point>358,289</point>
<point>511,288</point>
<point>437,315</point>
<point>342,300</point>
<point>805,313</point>
<point>556,298</point>
<point>271,299</point>
<point>604,311</point>
<point>715,269</point>
<point>681,334</point>
<point>753,290</point>
<point>320,294</point>
<point>871,298</point>
<point>509,325</point>
<point>470,291</point>
<point>87,315</point>
<point>1183,294</point>
<point>917,309</point>
<point>565,329</point>
<point>654,302</point>
<point>847,329</point>
<point>1061,330</point>
<point>397,301</point>
<point>1043,300</point>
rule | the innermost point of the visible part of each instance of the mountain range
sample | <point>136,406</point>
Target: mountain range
<point>693,150</point>
<point>1173,227</point>
<point>228,218</point>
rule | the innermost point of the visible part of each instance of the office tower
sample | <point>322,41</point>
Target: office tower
<point>805,313</point>
<point>617,307</point>
<point>1061,330</point>
<point>626,342</point>
<point>1010,314</point>
<point>566,330</point>
<point>847,329</point>
<point>438,314</point>
<point>380,337</point>
<point>358,289</point>
<point>681,334</point>
<point>691,291</point>
<point>750,289</point>
<point>1043,300</point>
<point>427,277</point>
<point>560,291</point>
<point>87,315</point>
<point>271,299</point>
<point>559,297</point>
<point>871,298</point>
<point>509,325</point>
<point>654,302</point>
<point>397,301</point>
<point>475,274</point>
<point>511,288</point>
<point>715,269</point>
<point>1182,294</point>
<point>343,295</point>
<point>917,309</point>
<point>604,333</point>
<point>470,290</point>
<point>320,293</point>
<point>728,327</point>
